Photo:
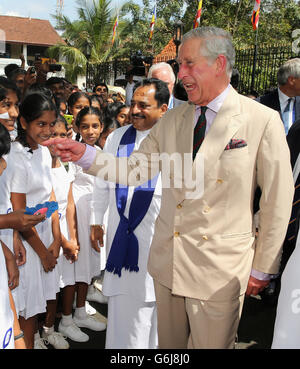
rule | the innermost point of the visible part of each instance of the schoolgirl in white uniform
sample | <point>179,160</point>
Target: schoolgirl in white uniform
<point>29,173</point>
<point>9,98</point>
<point>10,334</point>
<point>62,184</point>
<point>89,126</point>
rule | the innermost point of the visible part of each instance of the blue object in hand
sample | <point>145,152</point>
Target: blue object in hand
<point>48,208</point>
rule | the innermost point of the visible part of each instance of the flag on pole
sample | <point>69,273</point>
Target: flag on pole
<point>198,15</point>
<point>152,23</point>
<point>255,15</point>
<point>115,29</point>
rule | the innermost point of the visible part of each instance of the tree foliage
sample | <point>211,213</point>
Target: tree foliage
<point>278,18</point>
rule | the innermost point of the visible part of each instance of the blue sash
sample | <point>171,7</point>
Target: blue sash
<point>124,252</point>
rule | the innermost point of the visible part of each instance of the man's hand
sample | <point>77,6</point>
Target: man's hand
<point>255,286</point>
<point>97,236</point>
<point>20,221</point>
<point>67,149</point>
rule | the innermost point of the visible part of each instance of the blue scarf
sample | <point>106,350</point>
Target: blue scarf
<point>124,252</point>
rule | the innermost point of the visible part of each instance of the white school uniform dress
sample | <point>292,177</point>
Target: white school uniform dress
<point>88,263</point>
<point>287,323</point>
<point>6,235</point>
<point>61,184</point>
<point>30,173</point>
<point>132,319</point>
<point>6,314</point>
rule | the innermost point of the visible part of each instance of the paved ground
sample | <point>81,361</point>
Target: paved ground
<point>255,330</point>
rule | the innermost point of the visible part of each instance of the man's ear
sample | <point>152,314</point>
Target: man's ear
<point>221,62</point>
<point>163,109</point>
<point>23,123</point>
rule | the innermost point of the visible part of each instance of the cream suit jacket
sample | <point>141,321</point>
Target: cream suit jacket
<point>205,248</point>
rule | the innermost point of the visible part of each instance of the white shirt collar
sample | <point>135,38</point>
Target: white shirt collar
<point>217,102</point>
<point>283,99</point>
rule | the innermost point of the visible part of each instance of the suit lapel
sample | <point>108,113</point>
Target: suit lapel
<point>226,124</point>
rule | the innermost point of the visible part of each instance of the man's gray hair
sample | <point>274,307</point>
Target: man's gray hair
<point>290,68</point>
<point>161,65</point>
<point>217,42</point>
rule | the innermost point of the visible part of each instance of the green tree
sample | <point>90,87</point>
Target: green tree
<point>92,31</point>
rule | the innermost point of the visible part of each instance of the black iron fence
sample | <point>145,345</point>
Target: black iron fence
<point>257,67</point>
<point>106,72</point>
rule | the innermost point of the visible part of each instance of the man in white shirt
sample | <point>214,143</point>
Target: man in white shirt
<point>132,320</point>
<point>164,72</point>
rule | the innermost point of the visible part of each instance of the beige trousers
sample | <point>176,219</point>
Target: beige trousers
<point>196,324</point>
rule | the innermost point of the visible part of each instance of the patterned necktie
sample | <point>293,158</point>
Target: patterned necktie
<point>293,224</point>
<point>286,116</point>
<point>199,131</point>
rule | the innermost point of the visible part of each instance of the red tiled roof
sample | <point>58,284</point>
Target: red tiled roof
<point>29,31</point>
<point>168,52</point>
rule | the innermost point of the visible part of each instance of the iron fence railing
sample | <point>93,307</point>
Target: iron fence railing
<point>257,67</point>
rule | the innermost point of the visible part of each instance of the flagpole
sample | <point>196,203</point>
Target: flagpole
<point>254,61</point>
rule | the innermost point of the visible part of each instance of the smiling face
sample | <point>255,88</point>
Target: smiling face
<point>202,79</point>
<point>59,130</point>
<point>10,105</point>
<point>144,110</point>
<point>123,116</point>
<point>82,102</point>
<point>40,129</point>
<point>90,129</point>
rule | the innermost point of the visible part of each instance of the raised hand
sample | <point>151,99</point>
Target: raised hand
<point>66,149</point>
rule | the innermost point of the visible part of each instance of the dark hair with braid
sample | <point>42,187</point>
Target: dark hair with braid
<point>87,111</point>
<point>31,108</point>
<point>4,141</point>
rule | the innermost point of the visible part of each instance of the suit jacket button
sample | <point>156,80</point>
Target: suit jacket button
<point>205,238</point>
<point>219,181</point>
<point>206,209</point>
<point>179,206</point>
<point>176,234</point>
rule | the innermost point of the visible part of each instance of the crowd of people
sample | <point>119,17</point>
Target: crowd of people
<point>173,268</point>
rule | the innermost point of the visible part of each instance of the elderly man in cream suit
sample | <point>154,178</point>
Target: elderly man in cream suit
<point>204,256</point>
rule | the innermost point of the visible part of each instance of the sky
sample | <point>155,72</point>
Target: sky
<point>41,9</point>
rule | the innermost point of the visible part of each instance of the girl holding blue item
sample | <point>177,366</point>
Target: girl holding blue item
<point>29,173</point>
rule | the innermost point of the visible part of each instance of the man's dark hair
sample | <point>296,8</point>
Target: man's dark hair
<point>15,72</point>
<point>162,94</point>
<point>9,68</point>
<point>100,84</point>
<point>53,80</point>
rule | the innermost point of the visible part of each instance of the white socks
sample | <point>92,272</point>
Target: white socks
<point>80,313</point>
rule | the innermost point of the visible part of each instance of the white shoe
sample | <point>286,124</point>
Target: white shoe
<point>56,339</point>
<point>98,284</point>
<point>73,332</point>
<point>89,309</point>
<point>39,344</point>
<point>91,323</point>
<point>96,296</point>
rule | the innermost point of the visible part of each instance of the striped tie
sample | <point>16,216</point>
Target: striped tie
<point>293,224</point>
<point>286,116</point>
<point>199,131</point>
